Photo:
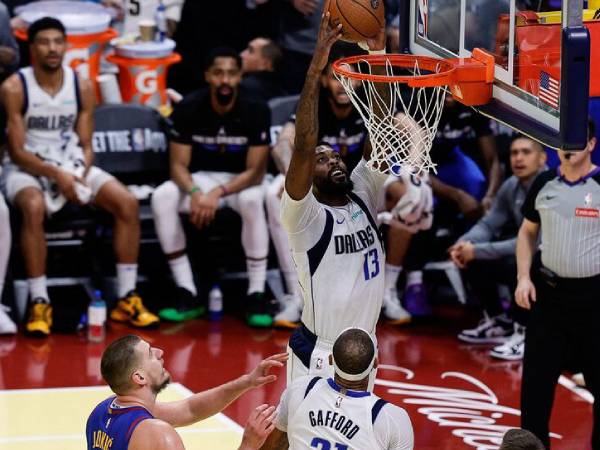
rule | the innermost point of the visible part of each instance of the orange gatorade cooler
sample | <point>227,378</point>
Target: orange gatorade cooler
<point>87,26</point>
<point>143,71</point>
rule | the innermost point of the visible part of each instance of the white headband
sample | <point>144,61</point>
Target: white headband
<point>364,373</point>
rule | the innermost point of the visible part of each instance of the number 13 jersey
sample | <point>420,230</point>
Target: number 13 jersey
<point>339,256</point>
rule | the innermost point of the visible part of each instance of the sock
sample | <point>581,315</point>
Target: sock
<point>182,273</point>
<point>414,277</point>
<point>38,289</point>
<point>391,276</point>
<point>126,278</point>
<point>257,274</point>
<point>291,282</point>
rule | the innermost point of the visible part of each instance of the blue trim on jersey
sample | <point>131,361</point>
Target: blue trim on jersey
<point>115,426</point>
<point>315,254</point>
<point>377,408</point>
<point>25,95</point>
<point>77,93</point>
<point>302,342</point>
<point>311,384</point>
<point>348,393</point>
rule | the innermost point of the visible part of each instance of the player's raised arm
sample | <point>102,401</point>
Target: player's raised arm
<point>300,174</point>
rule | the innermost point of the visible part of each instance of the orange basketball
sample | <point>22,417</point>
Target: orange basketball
<point>360,19</point>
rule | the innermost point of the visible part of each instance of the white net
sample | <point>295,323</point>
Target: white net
<point>403,130</point>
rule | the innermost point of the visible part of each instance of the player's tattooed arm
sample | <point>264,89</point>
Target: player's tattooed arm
<point>300,173</point>
<point>283,149</point>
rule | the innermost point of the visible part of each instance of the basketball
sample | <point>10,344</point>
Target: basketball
<point>360,19</point>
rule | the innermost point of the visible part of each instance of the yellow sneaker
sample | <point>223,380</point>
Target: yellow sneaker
<point>39,319</point>
<point>131,309</point>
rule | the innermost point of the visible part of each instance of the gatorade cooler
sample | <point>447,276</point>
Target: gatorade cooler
<point>143,71</point>
<point>87,26</point>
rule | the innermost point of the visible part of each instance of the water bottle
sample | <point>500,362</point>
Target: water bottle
<point>96,318</point>
<point>215,303</point>
<point>161,21</point>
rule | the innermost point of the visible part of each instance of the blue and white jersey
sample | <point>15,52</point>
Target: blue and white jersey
<point>50,120</point>
<point>110,426</point>
<point>317,413</point>
<point>339,256</point>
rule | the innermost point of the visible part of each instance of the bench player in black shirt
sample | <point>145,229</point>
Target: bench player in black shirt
<point>219,149</point>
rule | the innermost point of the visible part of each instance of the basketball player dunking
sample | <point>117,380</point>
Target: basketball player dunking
<point>329,218</point>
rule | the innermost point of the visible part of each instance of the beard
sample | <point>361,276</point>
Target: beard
<point>332,188</point>
<point>159,387</point>
<point>334,99</point>
<point>224,99</point>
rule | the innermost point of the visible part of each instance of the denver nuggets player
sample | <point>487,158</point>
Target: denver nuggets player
<point>329,218</point>
<point>339,413</point>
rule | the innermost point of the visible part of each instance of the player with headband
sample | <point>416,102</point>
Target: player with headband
<point>340,412</point>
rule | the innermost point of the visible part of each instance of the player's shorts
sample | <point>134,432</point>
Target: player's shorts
<point>15,180</point>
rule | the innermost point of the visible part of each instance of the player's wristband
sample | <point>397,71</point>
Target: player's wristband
<point>194,190</point>
<point>377,52</point>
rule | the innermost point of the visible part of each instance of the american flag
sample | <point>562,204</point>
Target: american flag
<point>549,89</point>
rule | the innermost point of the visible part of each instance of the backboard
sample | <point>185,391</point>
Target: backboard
<point>542,58</point>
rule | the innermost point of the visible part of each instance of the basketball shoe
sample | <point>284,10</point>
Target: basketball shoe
<point>514,348</point>
<point>393,310</point>
<point>186,307</point>
<point>39,318</point>
<point>290,312</point>
<point>258,311</point>
<point>491,330</point>
<point>7,326</point>
<point>130,309</point>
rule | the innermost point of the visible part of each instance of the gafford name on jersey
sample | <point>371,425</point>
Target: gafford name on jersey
<point>333,420</point>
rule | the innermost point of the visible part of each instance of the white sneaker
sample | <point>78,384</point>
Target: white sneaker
<point>393,310</point>
<point>514,348</point>
<point>290,312</point>
<point>7,326</point>
<point>491,330</point>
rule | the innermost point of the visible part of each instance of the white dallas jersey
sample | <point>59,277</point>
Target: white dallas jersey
<point>317,413</point>
<point>50,120</point>
<point>339,257</point>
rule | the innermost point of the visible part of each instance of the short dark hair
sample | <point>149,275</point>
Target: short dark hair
<point>118,362</point>
<point>222,52</point>
<point>518,439</point>
<point>45,23</point>
<point>353,351</point>
<point>272,52</point>
<point>524,136</point>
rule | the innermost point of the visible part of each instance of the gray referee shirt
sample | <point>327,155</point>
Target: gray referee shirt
<point>505,211</point>
<point>569,218</point>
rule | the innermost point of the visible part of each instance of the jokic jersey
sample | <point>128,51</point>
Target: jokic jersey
<point>318,413</point>
<point>339,256</point>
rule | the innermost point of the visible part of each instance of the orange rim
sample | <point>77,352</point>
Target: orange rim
<point>442,70</point>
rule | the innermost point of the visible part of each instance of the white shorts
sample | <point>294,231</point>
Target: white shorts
<point>15,180</point>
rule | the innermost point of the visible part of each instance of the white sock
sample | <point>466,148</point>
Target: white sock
<point>182,273</point>
<point>38,288</point>
<point>391,276</point>
<point>291,282</point>
<point>257,274</point>
<point>414,277</point>
<point>126,278</point>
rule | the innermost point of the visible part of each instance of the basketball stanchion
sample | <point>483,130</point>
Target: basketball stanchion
<point>402,107</point>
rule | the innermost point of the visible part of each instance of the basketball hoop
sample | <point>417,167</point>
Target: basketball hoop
<point>403,130</point>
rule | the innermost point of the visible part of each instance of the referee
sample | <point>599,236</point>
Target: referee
<point>562,287</point>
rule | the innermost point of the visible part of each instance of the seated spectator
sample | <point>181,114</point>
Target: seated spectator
<point>462,190</point>
<point>260,63</point>
<point>50,123</point>
<point>219,150</point>
<point>517,439</point>
<point>487,255</point>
